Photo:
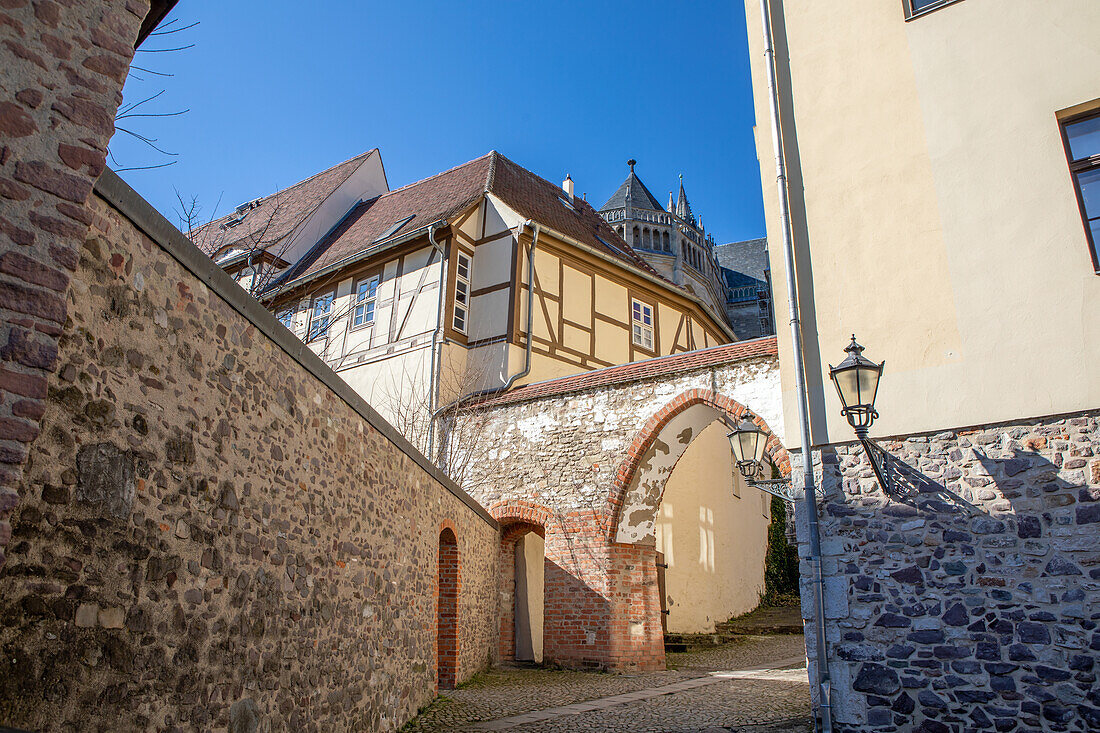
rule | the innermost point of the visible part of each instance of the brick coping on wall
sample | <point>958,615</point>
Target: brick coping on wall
<point>150,221</point>
<point>647,369</point>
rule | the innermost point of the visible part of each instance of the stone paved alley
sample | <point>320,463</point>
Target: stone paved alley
<point>757,684</point>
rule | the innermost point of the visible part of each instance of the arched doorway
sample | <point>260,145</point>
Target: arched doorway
<point>522,580</point>
<point>677,492</point>
<point>447,610</point>
<point>710,533</point>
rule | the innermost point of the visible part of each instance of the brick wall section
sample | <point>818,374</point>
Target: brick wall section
<point>561,460</point>
<point>973,604</point>
<point>447,594</point>
<point>63,66</point>
<point>207,530</point>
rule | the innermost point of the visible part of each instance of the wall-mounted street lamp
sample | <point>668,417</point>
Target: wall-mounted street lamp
<point>856,379</point>
<point>748,443</point>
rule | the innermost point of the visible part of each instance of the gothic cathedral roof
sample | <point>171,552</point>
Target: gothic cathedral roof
<point>640,197</point>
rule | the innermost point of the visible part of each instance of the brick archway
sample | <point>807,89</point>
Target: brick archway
<point>648,442</point>
<point>517,517</point>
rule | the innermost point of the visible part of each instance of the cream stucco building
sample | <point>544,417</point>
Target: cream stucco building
<point>943,170</point>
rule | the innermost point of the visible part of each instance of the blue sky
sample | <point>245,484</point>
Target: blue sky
<point>278,91</point>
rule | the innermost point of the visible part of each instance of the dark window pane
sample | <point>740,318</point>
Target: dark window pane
<point>1089,184</point>
<point>1084,138</point>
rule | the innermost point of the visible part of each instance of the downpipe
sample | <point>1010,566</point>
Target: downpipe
<point>530,324</point>
<point>437,337</point>
<point>824,685</point>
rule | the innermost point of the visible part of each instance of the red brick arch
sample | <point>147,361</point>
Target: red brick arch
<point>520,510</point>
<point>517,517</point>
<point>447,592</point>
<point>775,451</point>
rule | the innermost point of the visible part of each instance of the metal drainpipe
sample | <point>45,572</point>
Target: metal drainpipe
<point>823,682</point>
<point>530,321</point>
<point>437,338</point>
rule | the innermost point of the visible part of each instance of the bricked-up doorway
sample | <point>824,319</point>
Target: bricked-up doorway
<point>530,556</point>
<point>447,626</point>
<point>522,591</point>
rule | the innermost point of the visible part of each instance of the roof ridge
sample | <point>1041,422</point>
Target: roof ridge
<point>364,156</point>
<point>435,175</point>
<point>491,174</point>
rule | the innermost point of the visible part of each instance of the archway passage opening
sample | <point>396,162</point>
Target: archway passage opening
<point>679,492</point>
<point>522,586</point>
<point>710,536</point>
<point>447,643</point>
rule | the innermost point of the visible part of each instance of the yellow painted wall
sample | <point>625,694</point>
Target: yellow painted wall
<point>939,220</point>
<point>713,535</point>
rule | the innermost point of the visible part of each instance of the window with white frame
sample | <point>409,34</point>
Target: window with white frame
<point>462,292</point>
<point>365,292</point>
<point>286,317</point>
<point>642,321</point>
<point>320,315</point>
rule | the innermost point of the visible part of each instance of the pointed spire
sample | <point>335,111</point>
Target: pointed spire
<point>683,208</point>
<point>671,204</point>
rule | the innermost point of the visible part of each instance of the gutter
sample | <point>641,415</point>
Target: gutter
<point>362,254</point>
<point>824,684</point>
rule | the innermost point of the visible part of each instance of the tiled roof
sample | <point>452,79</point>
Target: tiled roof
<point>749,257</point>
<point>438,197</point>
<point>276,215</point>
<point>542,201</point>
<point>640,197</point>
<point>648,369</point>
<point>446,194</point>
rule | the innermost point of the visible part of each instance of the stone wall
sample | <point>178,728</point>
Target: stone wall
<point>972,603</point>
<point>63,65</point>
<point>561,463</point>
<point>212,526</point>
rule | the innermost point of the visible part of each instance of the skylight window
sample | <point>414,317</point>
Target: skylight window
<point>393,229</point>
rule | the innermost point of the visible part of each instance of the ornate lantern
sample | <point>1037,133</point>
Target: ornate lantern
<point>856,379</point>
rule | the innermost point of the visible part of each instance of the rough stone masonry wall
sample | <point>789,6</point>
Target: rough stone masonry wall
<point>62,66</point>
<point>972,605</point>
<point>208,533</point>
<point>553,463</point>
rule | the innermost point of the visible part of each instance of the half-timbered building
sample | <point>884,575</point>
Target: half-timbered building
<point>440,272</point>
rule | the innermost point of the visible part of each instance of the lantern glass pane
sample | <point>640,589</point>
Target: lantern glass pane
<point>747,442</point>
<point>761,444</point>
<point>847,384</point>
<point>868,385</point>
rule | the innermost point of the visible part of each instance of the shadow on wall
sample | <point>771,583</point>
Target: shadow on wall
<point>576,621</point>
<point>967,597</point>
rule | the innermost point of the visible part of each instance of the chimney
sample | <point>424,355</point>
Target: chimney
<point>567,186</point>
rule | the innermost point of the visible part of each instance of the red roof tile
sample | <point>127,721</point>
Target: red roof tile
<point>446,194</point>
<point>276,215</point>
<point>648,369</point>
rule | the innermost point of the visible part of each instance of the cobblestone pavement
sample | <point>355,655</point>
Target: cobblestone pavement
<point>700,701</point>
